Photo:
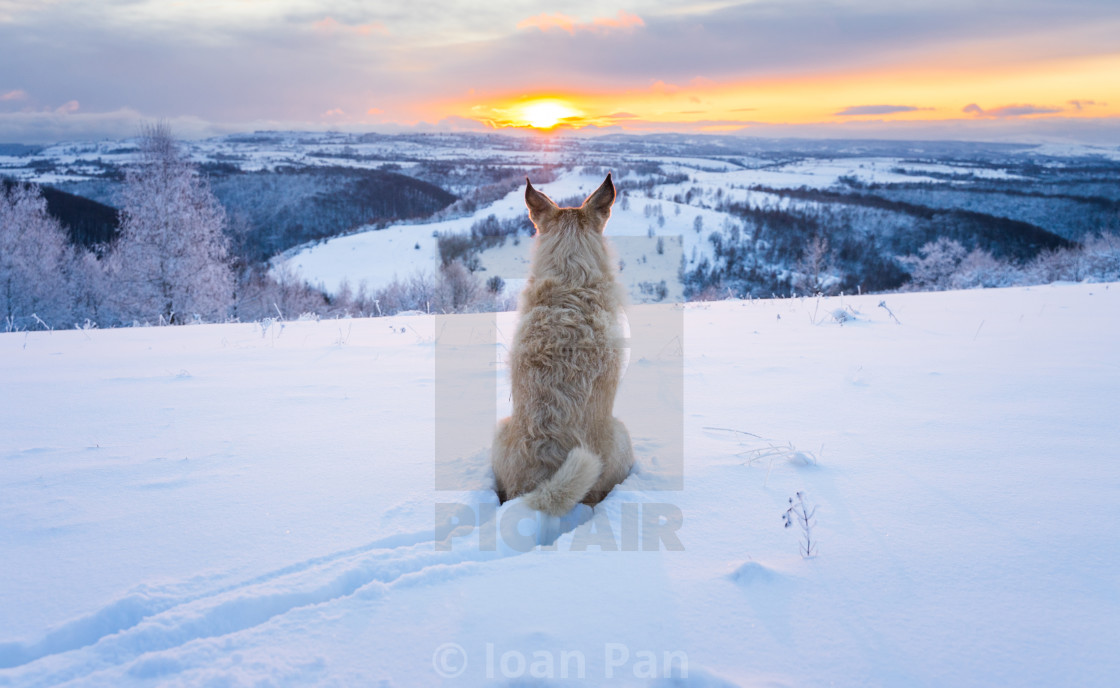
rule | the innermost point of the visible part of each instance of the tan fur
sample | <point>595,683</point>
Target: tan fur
<point>562,444</point>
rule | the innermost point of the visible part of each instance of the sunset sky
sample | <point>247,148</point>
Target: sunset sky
<point>967,69</point>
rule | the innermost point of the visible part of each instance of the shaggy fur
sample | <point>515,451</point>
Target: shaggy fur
<point>562,445</point>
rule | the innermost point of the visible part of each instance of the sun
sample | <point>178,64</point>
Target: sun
<point>545,114</point>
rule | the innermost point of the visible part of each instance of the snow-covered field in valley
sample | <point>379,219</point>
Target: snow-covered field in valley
<point>375,258</point>
<point>255,504</point>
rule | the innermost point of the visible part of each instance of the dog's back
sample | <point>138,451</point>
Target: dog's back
<point>562,445</point>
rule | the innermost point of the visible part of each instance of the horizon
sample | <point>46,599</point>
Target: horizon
<point>1007,72</point>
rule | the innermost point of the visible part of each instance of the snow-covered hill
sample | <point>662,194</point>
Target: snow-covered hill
<point>254,504</point>
<point>704,213</point>
<point>376,258</point>
<point>737,214</point>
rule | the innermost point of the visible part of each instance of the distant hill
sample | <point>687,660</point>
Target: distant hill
<point>88,222</point>
<point>18,150</point>
<point>271,211</point>
<point>292,206</point>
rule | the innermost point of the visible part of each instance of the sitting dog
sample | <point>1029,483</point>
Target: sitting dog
<point>562,445</point>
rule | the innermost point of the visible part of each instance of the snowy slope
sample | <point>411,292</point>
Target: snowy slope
<point>254,505</point>
<point>377,257</point>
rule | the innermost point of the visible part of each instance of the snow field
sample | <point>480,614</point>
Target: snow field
<point>253,504</point>
<point>378,257</point>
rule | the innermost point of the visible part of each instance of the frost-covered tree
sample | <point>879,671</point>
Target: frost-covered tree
<point>812,271</point>
<point>457,288</point>
<point>36,262</point>
<point>1097,259</point>
<point>171,262</point>
<point>980,269</point>
<point>1102,256</point>
<point>90,287</point>
<point>262,293</point>
<point>934,266</point>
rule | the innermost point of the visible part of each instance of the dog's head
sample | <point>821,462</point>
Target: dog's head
<point>592,216</point>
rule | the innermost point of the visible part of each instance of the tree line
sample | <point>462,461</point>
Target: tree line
<point>186,244</point>
<point>169,262</point>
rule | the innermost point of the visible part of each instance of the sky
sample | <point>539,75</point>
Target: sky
<point>1001,70</point>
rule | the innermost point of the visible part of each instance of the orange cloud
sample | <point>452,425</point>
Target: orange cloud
<point>622,21</point>
<point>563,22</point>
<point>546,22</point>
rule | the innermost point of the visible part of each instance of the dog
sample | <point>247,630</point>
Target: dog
<point>562,445</point>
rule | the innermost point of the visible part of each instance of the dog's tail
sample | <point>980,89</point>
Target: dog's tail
<point>568,485</point>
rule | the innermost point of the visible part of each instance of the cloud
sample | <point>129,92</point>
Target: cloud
<point>622,21</point>
<point>1007,111</point>
<point>292,60</point>
<point>856,110</point>
<point>1103,131</point>
<point>331,25</point>
<point>327,24</point>
<point>54,126</point>
<point>18,94</point>
<point>547,22</point>
<point>1080,105</point>
<point>689,126</point>
<point>455,123</point>
<point>751,40</point>
<point>563,22</point>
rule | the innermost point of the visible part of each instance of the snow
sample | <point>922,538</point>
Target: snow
<point>377,257</point>
<point>374,258</point>
<point>253,504</point>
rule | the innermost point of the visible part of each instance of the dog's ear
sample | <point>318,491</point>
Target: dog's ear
<point>540,206</point>
<point>601,200</point>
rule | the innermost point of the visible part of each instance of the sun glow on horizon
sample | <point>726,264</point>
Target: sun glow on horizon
<point>544,114</point>
<point>901,95</point>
